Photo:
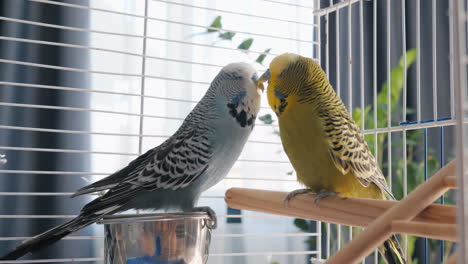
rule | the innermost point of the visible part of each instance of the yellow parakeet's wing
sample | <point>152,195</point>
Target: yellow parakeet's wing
<point>349,150</point>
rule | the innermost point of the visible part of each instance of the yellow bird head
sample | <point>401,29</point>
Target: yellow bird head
<point>292,77</point>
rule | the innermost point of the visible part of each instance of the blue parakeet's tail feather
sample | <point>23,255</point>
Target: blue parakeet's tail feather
<point>50,236</point>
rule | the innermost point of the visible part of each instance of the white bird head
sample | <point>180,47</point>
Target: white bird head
<point>237,82</point>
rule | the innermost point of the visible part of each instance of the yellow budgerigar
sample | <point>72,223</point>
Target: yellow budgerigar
<point>325,146</point>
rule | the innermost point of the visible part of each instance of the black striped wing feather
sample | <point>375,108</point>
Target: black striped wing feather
<point>175,164</point>
<point>349,150</point>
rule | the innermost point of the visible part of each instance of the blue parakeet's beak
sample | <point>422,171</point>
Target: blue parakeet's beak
<point>264,78</point>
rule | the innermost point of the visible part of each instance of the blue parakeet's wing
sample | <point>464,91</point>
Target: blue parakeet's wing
<point>178,163</point>
<point>114,179</point>
<point>175,164</point>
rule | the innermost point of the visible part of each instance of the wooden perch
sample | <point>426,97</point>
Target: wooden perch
<point>429,230</point>
<point>334,209</point>
<point>436,221</point>
<point>452,259</point>
<point>415,214</point>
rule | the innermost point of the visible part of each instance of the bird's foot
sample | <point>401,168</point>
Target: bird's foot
<point>212,223</point>
<point>323,194</point>
<point>294,194</point>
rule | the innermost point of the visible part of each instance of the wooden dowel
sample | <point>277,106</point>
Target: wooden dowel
<point>336,210</point>
<point>380,229</point>
<point>436,213</point>
<point>451,181</point>
<point>434,231</point>
<point>452,259</point>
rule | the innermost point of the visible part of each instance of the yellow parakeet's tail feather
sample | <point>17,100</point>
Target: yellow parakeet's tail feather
<point>392,252</point>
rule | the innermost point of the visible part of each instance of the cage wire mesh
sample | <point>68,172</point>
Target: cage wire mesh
<point>86,86</point>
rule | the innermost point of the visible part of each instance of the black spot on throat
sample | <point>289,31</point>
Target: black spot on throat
<point>282,106</point>
<point>241,117</point>
<point>282,97</point>
<point>232,109</point>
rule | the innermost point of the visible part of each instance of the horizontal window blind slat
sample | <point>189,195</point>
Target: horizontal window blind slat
<point>172,21</point>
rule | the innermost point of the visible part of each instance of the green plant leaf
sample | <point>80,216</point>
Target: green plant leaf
<point>227,35</point>
<point>302,224</point>
<point>266,119</point>
<point>246,44</point>
<point>357,114</point>
<point>411,248</point>
<point>396,83</point>
<point>215,24</point>
<point>262,56</point>
<point>432,164</point>
<point>410,58</point>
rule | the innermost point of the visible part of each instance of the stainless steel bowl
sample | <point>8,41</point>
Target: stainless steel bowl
<point>157,238</point>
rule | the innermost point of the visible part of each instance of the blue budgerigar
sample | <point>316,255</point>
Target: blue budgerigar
<point>175,173</point>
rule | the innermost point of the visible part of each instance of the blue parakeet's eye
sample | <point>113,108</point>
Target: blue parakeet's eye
<point>254,77</point>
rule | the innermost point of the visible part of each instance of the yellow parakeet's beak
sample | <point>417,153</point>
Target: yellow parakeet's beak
<point>264,78</point>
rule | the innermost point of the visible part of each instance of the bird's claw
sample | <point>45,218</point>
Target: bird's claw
<point>323,194</point>
<point>294,194</point>
<point>211,223</point>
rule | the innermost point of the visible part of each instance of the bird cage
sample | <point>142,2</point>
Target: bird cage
<point>86,86</point>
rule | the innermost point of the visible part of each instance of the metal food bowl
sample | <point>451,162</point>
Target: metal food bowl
<point>157,238</point>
